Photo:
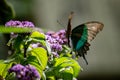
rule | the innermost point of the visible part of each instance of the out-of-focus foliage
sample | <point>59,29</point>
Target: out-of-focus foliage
<point>6,12</point>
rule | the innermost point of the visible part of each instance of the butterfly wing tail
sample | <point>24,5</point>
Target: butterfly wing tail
<point>85,59</point>
<point>81,54</point>
<point>83,51</point>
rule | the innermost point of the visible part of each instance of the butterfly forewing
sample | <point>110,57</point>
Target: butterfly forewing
<point>93,28</point>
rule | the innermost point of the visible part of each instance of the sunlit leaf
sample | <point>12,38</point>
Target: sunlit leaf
<point>68,62</point>
<point>11,76</point>
<point>14,29</point>
<point>41,55</point>
<point>37,35</point>
<point>67,73</point>
<point>4,68</point>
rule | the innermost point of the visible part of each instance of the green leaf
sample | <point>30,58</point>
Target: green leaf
<point>41,41</point>
<point>51,78</point>
<point>67,73</point>
<point>38,58</point>
<point>65,62</point>
<point>11,76</point>
<point>9,60</point>
<point>66,52</point>
<point>4,29</point>
<point>65,68</point>
<point>4,68</point>
<point>41,55</point>
<point>37,35</point>
<point>17,43</point>
<point>33,61</point>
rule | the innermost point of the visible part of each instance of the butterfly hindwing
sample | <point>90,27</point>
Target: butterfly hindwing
<point>82,34</point>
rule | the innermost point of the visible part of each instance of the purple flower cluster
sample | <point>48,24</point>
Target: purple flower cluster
<point>19,23</point>
<point>27,72</point>
<point>56,40</point>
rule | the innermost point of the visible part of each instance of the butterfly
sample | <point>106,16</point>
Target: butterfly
<point>81,35</point>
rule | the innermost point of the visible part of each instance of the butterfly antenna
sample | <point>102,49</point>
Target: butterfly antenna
<point>60,24</point>
<point>68,31</point>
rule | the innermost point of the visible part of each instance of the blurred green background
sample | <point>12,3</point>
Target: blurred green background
<point>104,55</point>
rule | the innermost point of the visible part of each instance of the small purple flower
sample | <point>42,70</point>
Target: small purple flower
<point>27,72</point>
<point>16,68</point>
<point>16,23</point>
<point>50,33</point>
<point>65,40</point>
<point>56,47</point>
<point>32,71</point>
<point>27,24</point>
<point>61,41</point>
<point>62,32</point>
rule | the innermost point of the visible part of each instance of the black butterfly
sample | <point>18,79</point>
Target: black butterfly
<point>82,35</point>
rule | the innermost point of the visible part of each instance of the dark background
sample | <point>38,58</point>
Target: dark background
<point>104,55</point>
